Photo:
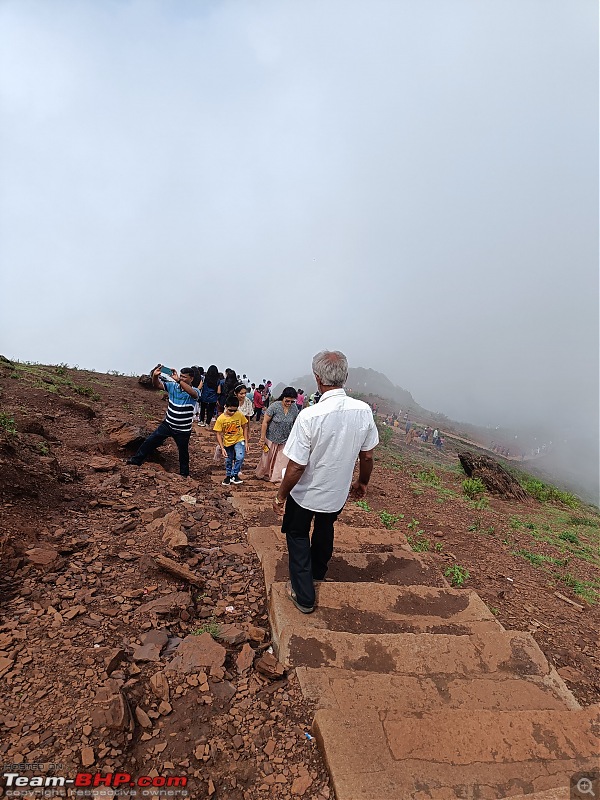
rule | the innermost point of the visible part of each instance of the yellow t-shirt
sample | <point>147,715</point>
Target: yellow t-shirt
<point>231,427</point>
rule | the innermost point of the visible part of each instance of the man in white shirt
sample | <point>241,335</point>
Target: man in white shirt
<point>323,446</point>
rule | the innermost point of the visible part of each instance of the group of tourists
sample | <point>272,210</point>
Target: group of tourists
<point>232,401</point>
<point>308,449</point>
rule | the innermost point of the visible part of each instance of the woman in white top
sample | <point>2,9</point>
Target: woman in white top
<point>246,405</point>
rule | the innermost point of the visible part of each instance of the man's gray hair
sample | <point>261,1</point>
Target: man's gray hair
<point>331,367</point>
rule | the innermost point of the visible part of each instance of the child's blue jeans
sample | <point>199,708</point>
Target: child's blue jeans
<point>235,458</point>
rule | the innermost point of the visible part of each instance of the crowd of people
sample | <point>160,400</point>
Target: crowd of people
<point>309,448</point>
<point>228,402</point>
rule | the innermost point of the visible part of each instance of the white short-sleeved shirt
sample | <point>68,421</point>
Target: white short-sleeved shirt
<point>327,439</point>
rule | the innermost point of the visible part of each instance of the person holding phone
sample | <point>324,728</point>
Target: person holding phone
<point>177,423</point>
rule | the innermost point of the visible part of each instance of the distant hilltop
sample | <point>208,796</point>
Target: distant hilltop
<point>360,381</point>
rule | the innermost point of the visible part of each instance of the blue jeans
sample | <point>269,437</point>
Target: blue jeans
<point>235,458</point>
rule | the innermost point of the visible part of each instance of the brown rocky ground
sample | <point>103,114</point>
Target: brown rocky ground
<point>90,623</point>
<point>95,665</point>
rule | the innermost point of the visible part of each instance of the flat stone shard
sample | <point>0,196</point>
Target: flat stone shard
<point>232,634</point>
<point>160,686</point>
<point>42,556</point>
<point>101,464</point>
<point>174,538</point>
<point>196,652</point>
<point>166,604</point>
<point>110,709</point>
<point>268,666</point>
<point>151,647</point>
<point>245,659</point>
<point>143,718</point>
<point>126,434</point>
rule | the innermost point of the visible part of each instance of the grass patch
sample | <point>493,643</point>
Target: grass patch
<point>389,520</point>
<point>480,504</point>
<point>363,504</point>
<point>429,477</point>
<point>588,590</point>
<point>457,575</point>
<point>8,424</point>
<point>211,626</point>
<point>544,492</point>
<point>419,543</point>
<point>473,488</point>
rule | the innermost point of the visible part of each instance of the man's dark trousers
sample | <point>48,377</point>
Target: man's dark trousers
<point>160,436</point>
<point>308,559</point>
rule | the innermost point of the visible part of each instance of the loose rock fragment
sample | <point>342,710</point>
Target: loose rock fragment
<point>195,652</point>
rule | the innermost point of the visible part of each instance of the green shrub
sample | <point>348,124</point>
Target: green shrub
<point>457,574</point>
<point>473,488</point>
<point>7,423</point>
<point>363,504</point>
<point>569,536</point>
<point>389,520</point>
<point>429,477</point>
<point>419,543</point>
<point>544,492</point>
<point>386,434</point>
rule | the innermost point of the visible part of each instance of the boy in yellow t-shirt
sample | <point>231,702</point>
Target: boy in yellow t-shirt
<point>231,428</point>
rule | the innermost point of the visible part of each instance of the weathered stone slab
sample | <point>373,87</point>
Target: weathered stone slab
<point>349,690</point>
<point>196,652</point>
<point>398,567</point>
<point>380,608</point>
<point>166,603</point>
<point>533,751</point>
<point>509,652</point>
<point>347,540</point>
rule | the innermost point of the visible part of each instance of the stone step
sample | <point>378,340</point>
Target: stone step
<point>397,568</point>
<point>381,608</point>
<point>511,653</point>
<point>347,690</point>
<point>348,539</point>
<point>454,753</point>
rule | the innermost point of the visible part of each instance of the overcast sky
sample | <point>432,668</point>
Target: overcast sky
<point>245,183</point>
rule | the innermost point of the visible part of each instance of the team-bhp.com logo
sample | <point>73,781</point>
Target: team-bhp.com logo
<point>120,783</point>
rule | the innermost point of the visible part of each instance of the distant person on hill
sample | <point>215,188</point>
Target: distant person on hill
<point>300,399</point>
<point>259,402</point>
<point>230,383</point>
<point>177,423</point>
<point>231,428</point>
<point>211,389</point>
<point>322,448</point>
<point>277,424</point>
<point>439,442</point>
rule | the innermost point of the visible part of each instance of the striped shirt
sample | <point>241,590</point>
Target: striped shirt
<point>180,409</point>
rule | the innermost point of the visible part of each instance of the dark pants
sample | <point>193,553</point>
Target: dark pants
<point>160,436</point>
<point>257,414</point>
<point>207,411</point>
<point>308,559</point>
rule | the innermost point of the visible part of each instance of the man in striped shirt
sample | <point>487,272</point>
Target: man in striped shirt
<point>178,419</point>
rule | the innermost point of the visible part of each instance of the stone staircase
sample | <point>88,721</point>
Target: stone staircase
<point>418,690</point>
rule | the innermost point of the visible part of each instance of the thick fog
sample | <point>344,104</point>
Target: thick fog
<point>245,183</point>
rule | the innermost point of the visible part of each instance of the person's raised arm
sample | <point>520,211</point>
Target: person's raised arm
<point>156,381</point>
<point>185,383</point>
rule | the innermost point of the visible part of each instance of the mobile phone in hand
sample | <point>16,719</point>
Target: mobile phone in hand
<point>166,371</point>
